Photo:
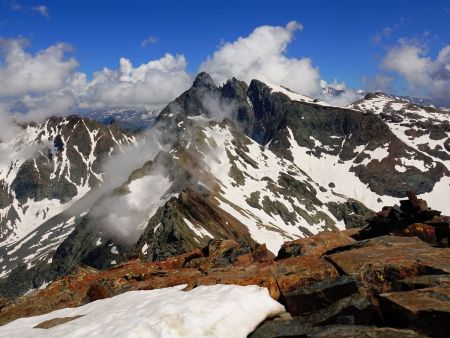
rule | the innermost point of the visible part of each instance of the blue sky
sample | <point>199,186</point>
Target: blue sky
<point>346,40</point>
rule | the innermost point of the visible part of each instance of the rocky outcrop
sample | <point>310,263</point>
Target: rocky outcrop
<point>427,310</point>
<point>412,218</point>
<point>331,284</point>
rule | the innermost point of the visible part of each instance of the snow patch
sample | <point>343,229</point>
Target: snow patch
<point>206,311</point>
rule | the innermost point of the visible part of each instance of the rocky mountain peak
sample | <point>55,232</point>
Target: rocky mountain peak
<point>235,88</point>
<point>204,80</point>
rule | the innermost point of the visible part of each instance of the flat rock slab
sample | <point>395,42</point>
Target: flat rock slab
<point>388,258</point>
<point>316,245</point>
<point>48,324</point>
<point>346,331</point>
<point>319,295</point>
<point>428,310</point>
<point>258,274</point>
<point>420,282</point>
<point>297,272</point>
<point>352,310</point>
<point>293,329</point>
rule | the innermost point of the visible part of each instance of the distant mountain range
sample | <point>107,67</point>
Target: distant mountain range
<point>253,163</point>
<point>126,118</point>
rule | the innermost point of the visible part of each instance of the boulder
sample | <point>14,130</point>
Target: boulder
<point>256,274</point>
<point>425,232</point>
<point>319,295</point>
<point>316,245</point>
<point>285,328</point>
<point>380,261</point>
<point>427,310</point>
<point>297,272</point>
<point>345,331</point>
<point>351,310</point>
<point>420,282</point>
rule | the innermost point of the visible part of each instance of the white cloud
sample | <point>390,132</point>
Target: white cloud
<point>151,85</point>
<point>42,10</point>
<point>22,73</point>
<point>344,96</point>
<point>423,74</point>
<point>149,41</point>
<point>378,83</point>
<point>34,86</point>
<point>262,55</point>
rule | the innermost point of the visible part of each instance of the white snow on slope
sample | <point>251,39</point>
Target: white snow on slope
<point>263,227</point>
<point>206,311</point>
<point>410,115</point>
<point>34,142</point>
<point>329,169</point>
<point>295,96</point>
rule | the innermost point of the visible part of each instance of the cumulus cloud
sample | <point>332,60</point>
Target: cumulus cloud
<point>151,85</point>
<point>23,73</point>
<point>423,74</point>
<point>35,86</point>
<point>149,41</point>
<point>262,55</point>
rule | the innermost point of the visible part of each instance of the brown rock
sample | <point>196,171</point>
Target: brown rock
<point>420,282</point>
<point>380,261</point>
<point>177,262</point>
<point>352,310</point>
<point>346,331</point>
<point>423,231</point>
<point>291,328</point>
<point>296,272</point>
<point>315,245</point>
<point>98,291</point>
<point>319,295</point>
<point>256,274</point>
<point>55,322</point>
<point>427,310</point>
<point>352,231</point>
<point>218,247</point>
<point>164,279</point>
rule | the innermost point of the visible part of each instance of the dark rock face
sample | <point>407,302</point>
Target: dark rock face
<point>284,328</point>
<point>319,295</point>
<point>427,310</point>
<point>274,112</point>
<point>353,213</point>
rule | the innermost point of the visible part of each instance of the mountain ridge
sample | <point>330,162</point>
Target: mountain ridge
<point>274,166</point>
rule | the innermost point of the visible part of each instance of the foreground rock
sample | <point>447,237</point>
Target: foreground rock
<point>291,328</point>
<point>334,284</point>
<point>427,310</point>
<point>412,218</point>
